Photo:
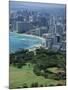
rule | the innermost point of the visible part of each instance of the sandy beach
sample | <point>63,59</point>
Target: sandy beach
<point>30,36</point>
<point>34,47</point>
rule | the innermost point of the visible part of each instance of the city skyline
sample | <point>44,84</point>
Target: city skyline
<point>49,7</point>
<point>40,23</point>
<point>37,41</point>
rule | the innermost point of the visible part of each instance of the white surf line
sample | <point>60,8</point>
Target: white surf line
<point>29,35</point>
<point>41,38</point>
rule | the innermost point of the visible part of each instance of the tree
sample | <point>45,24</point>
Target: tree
<point>25,85</point>
<point>41,85</point>
<point>34,84</point>
<point>36,70</point>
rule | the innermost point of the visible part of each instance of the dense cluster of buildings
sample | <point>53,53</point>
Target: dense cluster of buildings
<point>50,27</point>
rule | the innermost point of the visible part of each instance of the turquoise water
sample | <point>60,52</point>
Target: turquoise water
<point>18,42</point>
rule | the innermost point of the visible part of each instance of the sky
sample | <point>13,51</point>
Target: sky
<point>21,4</point>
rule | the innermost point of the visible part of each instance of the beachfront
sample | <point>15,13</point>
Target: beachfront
<point>31,42</point>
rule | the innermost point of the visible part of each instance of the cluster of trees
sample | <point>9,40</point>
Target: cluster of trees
<point>47,59</point>
<point>20,58</point>
<point>43,59</point>
<point>35,84</point>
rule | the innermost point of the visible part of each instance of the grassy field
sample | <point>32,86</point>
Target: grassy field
<point>55,69</point>
<point>26,75</point>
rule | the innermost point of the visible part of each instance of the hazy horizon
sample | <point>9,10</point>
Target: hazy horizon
<point>34,5</point>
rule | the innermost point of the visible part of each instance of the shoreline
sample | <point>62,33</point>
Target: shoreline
<point>34,47</point>
<point>41,38</point>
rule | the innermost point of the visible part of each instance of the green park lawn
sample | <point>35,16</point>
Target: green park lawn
<point>26,75</point>
<point>55,69</point>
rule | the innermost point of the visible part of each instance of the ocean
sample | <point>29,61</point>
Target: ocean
<point>18,42</point>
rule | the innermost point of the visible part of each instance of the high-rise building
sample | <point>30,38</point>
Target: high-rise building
<point>30,18</point>
<point>59,28</point>
<point>22,27</point>
<point>13,25</point>
<point>52,25</point>
<point>39,31</point>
